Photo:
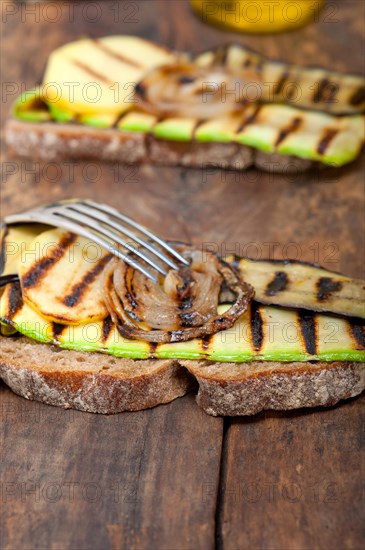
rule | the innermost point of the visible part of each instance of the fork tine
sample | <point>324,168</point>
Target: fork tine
<point>95,226</point>
<point>105,218</point>
<point>141,228</point>
<point>49,218</point>
<point>95,222</point>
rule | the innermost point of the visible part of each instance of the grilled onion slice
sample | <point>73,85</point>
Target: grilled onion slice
<point>187,90</point>
<point>182,307</point>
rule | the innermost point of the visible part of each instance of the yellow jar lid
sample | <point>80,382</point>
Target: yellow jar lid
<point>258,16</point>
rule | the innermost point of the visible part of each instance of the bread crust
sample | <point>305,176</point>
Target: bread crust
<point>196,154</point>
<point>231,389</point>
<point>99,383</point>
<point>50,141</point>
<point>55,141</point>
<point>91,382</point>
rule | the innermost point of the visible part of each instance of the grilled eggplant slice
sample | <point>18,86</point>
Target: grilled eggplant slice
<point>310,88</point>
<point>296,284</point>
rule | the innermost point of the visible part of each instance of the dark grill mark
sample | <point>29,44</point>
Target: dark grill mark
<point>219,321</point>
<point>278,284</point>
<point>196,126</point>
<point>256,321</point>
<point>107,326</point>
<point>358,97</point>
<point>15,300</point>
<point>326,287</point>
<point>185,79</point>
<point>280,85</point>
<point>187,319</point>
<point>116,55</point>
<point>249,120</point>
<point>357,329</point>
<point>119,119</point>
<point>206,342</point>
<point>326,139</point>
<point>326,91</point>
<point>292,127</point>
<point>90,71</point>
<point>318,94</point>
<point>186,303</point>
<point>40,268</point>
<point>57,330</point>
<point>307,322</point>
<point>140,89</point>
<point>153,347</point>
<point>79,289</point>
<point>131,300</point>
<point>185,297</point>
<point>39,105</point>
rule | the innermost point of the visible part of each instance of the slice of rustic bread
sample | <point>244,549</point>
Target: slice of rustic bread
<point>91,382</point>
<point>101,383</point>
<point>232,389</point>
<point>54,141</point>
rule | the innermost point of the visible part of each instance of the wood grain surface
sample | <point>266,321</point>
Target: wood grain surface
<point>173,477</point>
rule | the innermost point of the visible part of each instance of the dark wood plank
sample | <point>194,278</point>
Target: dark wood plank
<point>158,470</point>
<point>317,219</point>
<point>293,480</point>
<point>133,480</point>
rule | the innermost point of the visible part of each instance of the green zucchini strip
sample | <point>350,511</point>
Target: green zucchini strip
<point>272,128</point>
<point>263,333</point>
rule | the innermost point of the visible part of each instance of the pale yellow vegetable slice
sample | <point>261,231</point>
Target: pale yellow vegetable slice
<point>60,276</point>
<point>92,76</point>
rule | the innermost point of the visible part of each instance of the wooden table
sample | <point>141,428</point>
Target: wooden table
<point>173,477</point>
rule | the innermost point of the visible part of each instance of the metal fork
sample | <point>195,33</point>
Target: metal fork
<point>106,227</point>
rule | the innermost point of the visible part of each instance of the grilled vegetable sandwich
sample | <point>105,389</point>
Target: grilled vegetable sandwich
<point>81,329</point>
<point>122,98</point>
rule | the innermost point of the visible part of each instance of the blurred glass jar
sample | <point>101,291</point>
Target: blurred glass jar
<point>258,16</point>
